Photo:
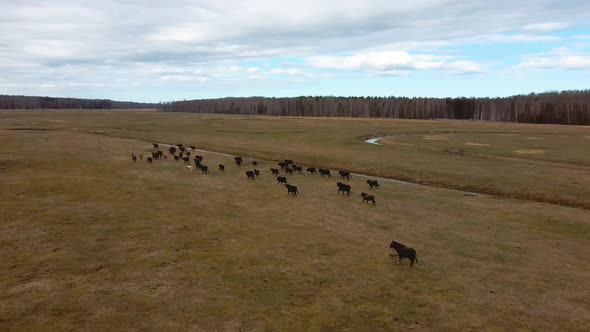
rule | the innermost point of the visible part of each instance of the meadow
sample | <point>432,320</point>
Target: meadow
<point>91,240</point>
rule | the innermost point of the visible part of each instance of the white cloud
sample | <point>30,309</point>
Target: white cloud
<point>557,59</point>
<point>547,26</point>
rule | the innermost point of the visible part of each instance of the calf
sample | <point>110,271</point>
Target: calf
<point>254,163</point>
<point>190,168</point>
<point>149,160</point>
<point>325,172</point>
<point>256,172</point>
<point>250,175</point>
<point>133,157</point>
<point>155,145</point>
<point>312,170</point>
<point>344,175</point>
<point>281,180</point>
<point>291,189</point>
<point>239,161</point>
<point>289,170</point>
<point>404,252</point>
<point>373,184</point>
<point>298,169</point>
<point>274,171</point>
<point>345,188</point>
<point>221,168</point>
<point>367,197</point>
<point>160,154</point>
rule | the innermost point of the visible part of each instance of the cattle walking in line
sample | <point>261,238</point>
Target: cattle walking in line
<point>344,175</point>
<point>373,184</point>
<point>298,169</point>
<point>345,188</point>
<point>149,160</point>
<point>256,172</point>
<point>274,171</point>
<point>325,172</point>
<point>155,145</point>
<point>176,158</point>
<point>133,157</point>
<point>288,170</point>
<point>291,189</point>
<point>250,175</point>
<point>239,161</point>
<point>404,252</point>
<point>312,170</point>
<point>254,163</point>
<point>186,160</point>
<point>367,197</point>
<point>221,168</point>
<point>281,180</point>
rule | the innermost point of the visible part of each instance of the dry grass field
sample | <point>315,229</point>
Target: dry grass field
<point>91,241</point>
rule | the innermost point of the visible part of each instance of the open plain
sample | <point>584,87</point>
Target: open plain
<point>91,240</point>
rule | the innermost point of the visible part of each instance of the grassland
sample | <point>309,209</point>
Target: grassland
<point>90,240</point>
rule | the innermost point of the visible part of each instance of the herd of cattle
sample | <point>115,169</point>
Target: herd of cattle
<point>180,152</point>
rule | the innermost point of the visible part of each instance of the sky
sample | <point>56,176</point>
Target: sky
<point>156,51</point>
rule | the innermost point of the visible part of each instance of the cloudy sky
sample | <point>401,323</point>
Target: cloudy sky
<point>182,49</point>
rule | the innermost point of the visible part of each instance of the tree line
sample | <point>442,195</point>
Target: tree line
<point>566,107</point>
<point>29,102</point>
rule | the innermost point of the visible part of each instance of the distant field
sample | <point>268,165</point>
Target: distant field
<point>90,240</point>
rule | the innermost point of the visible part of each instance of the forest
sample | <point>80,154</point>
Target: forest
<point>566,107</point>
<point>28,102</point>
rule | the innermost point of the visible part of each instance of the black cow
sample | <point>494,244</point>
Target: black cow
<point>197,162</point>
<point>256,172</point>
<point>187,160</point>
<point>404,252</point>
<point>298,169</point>
<point>204,169</point>
<point>239,161</point>
<point>182,148</point>
<point>250,175</point>
<point>289,161</point>
<point>283,165</point>
<point>133,157</point>
<point>188,153</point>
<point>155,145</point>
<point>274,171</point>
<point>373,184</point>
<point>312,170</point>
<point>176,157</point>
<point>179,145</point>
<point>368,197</point>
<point>281,179</point>
<point>172,150</point>
<point>149,160</point>
<point>325,172</point>
<point>180,154</point>
<point>254,163</point>
<point>154,155</point>
<point>193,147</point>
<point>291,189</point>
<point>345,188</point>
<point>344,175</point>
<point>221,168</point>
<point>288,170</point>
<point>200,158</point>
